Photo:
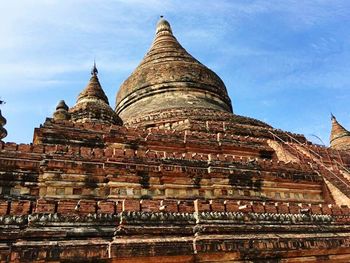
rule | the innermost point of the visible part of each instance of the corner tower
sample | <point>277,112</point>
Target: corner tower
<point>340,137</point>
<point>169,78</point>
<point>92,104</point>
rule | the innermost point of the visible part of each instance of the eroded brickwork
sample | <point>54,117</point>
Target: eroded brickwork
<point>149,191</point>
<point>186,181</point>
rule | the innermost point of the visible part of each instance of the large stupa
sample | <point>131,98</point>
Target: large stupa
<point>171,175</point>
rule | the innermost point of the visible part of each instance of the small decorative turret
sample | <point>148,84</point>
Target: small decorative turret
<point>92,104</point>
<point>340,137</point>
<point>61,112</point>
<point>3,132</point>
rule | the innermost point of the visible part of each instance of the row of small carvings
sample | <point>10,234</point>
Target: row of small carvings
<point>201,115</point>
<point>154,133</point>
<point>188,135</point>
<point>109,152</point>
<point>172,166</point>
<point>99,127</point>
<point>158,218</point>
<point>231,129</point>
<point>113,128</point>
<point>216,142</point>
<point>199,112</point>
<point>163,166</point>
<point>85,206</point>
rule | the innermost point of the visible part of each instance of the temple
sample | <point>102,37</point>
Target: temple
<point>172,174</point>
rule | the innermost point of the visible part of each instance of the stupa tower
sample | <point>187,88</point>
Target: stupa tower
<point>340,137</point>
<point>169,78</point>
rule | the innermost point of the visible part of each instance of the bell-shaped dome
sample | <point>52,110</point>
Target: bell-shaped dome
<point>92,104</point>
<point>168,78</point>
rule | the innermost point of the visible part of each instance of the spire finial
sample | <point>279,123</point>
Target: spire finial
<point>94,70</point>
<point>332,116</point>
<point>163,25</point>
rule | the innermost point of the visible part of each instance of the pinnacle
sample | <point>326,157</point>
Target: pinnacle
<point>163,26</point>
<point>94,70</point>
<point>340,137</point>
<point>333,117</point>
<point>337,128</point>
<point>93,89</point>
<point>92,104</point>
<point>62,105</point>
<point>61,112</point>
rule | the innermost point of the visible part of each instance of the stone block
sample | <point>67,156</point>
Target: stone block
<point>186,207</point>
<point>98,153</point>
<point>108,152</point>
<point>120,206</point>
<point>106,207</point>
<point>315,209</point>
<point>232,206</point>
<point>270,208</point>
<point>3,207</point>
<point>38,148</point>
<point>131,205</point>
<point>170,206</point>
<point>149,205</point>
<point>345,210</point>
<point>24,148</point>
<point>294,209</point>
<point>85,151</point>
<point>217,205</point>
<point>245,207</point>
<point>336,210</point>
<point>326,210</point>
<point>44,206</point>
<point>202,206</point>
<point>20,207</point>
<point>258,208</point>
<point>67,207</point>
<point>87,207</point>
<point>10,146</point>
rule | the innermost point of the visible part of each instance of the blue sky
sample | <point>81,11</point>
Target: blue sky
<point>284,62</point>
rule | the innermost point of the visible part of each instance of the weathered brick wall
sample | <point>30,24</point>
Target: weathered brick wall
<point>144,183</point>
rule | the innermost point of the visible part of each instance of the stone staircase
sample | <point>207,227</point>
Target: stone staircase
<point>336,173</point>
